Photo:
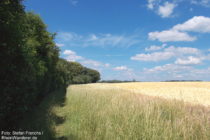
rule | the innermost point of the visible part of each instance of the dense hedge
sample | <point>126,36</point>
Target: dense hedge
<point>30,66</point>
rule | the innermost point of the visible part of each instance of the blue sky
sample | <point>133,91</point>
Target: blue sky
<point>146,40</point>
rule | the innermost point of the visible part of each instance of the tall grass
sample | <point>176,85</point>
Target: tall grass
<point>114,114</point>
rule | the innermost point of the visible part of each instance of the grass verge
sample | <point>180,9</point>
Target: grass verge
<point>44,119</point>
<point>114,114</point>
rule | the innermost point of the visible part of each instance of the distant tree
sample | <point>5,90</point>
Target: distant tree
<point>95,75</point>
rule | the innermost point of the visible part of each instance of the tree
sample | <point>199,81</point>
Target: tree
<point>30,63</point>
<point>12,28</point>
<point>93,74</point>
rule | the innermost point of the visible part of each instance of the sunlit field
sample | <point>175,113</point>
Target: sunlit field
<point>193,92</point>
<point>125,112</point>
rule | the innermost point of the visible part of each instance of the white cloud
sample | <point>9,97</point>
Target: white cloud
<point>155,48</point>
<point>178,32</point>
<point>151,4</point>
<point>97,40</point>
<point>170,35</point>
<point>59,44</point>
<point>163,9</point>
<point>166,10</point>
<point>156,56</point>
<point>195,24</point>
<point>69,52</point>
<point>120,68</point>
<point>175,72</point>
<point>72,56</point>
<point>182,50</point>
<point>166,54</point>
<point>189,61</point>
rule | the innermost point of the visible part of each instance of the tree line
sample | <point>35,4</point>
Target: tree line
<point>30,67</point>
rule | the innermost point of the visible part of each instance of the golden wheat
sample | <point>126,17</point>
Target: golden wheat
<point>192,92</point>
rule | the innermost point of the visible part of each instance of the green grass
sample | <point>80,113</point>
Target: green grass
<point>114,114</point>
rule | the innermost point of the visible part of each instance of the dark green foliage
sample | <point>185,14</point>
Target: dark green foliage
<point>12,61</point>
<point>30,64</point>
<point>75,73</point>
<point>93,75</point>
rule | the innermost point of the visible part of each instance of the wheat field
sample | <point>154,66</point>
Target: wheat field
<point>123,111</point>
<point>192,92</point>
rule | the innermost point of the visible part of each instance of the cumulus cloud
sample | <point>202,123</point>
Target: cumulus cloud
<point>178,32</point>
<point>166,10</point>
<point>97,40</point>
<point>170,35</point>
<point>166,54</point>
<point>155,48</point>
<point>196,24</point>
<point>188,61</point>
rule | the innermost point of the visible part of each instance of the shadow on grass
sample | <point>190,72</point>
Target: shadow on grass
<point>42,119</point>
